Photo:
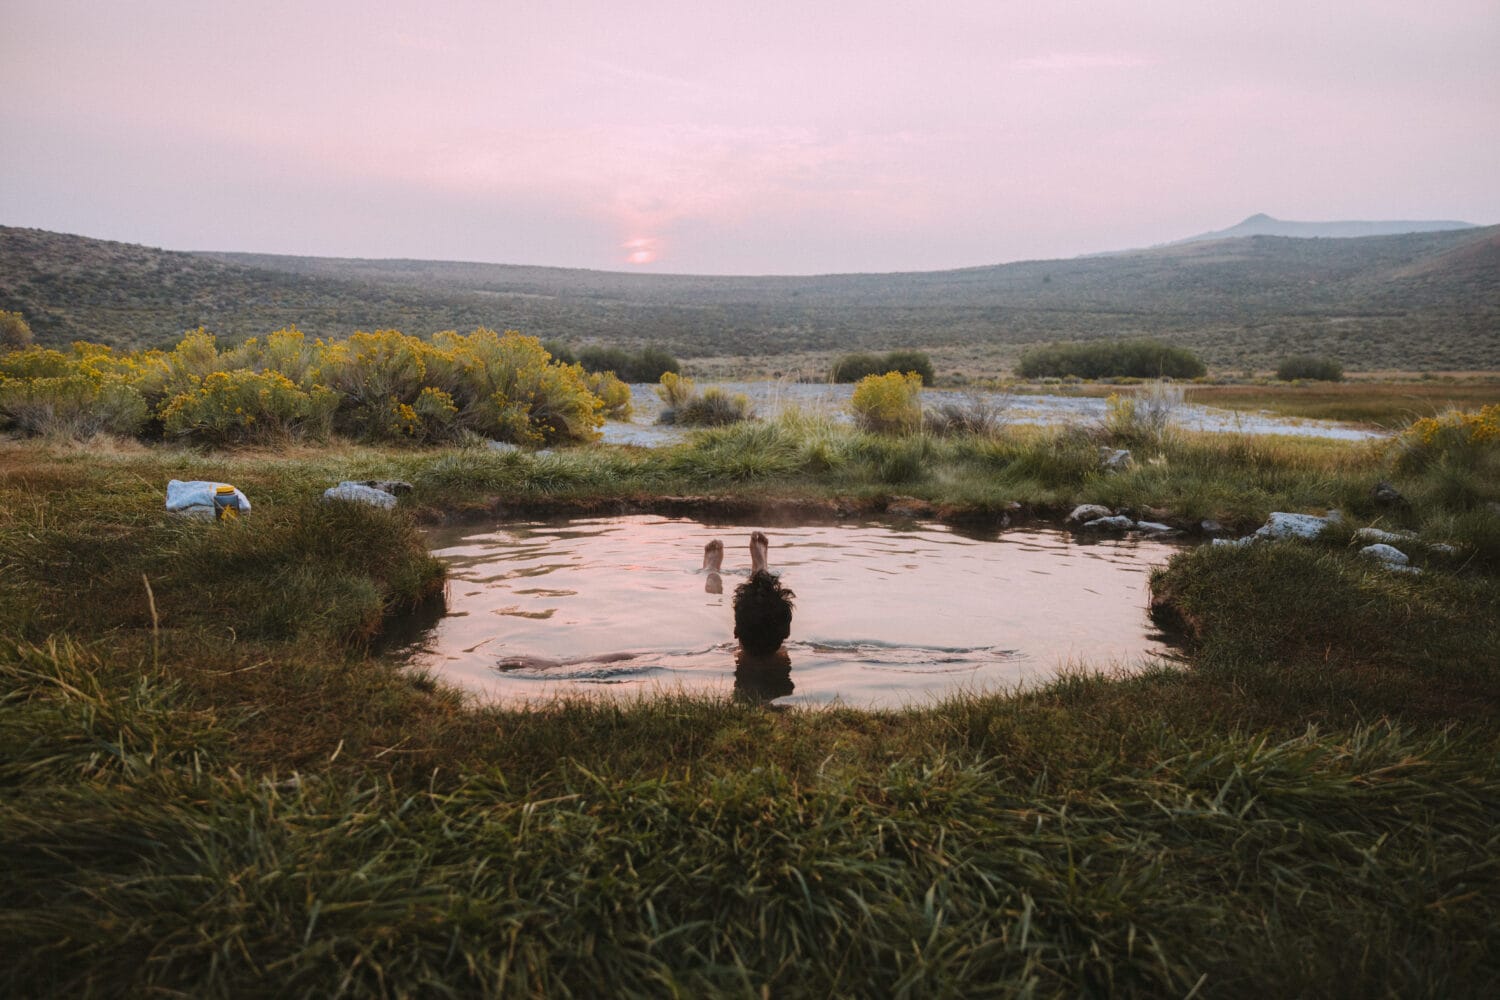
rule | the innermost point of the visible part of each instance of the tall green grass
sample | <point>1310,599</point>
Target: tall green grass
<point>209,785</point>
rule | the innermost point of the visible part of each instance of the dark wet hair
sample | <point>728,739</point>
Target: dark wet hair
<point>762,613</point>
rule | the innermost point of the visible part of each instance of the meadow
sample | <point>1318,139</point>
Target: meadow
<point>213,783</point>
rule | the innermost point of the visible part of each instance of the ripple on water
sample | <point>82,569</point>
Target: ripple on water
<point>887,613</point>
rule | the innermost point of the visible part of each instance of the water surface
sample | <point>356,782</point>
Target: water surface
<point>887,613</point>
<point>770,398</point>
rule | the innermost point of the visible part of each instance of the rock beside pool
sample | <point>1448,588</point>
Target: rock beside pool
<point>1388,554</point>
<point>351,492</point>
<point>1117,522</point>
<point>1377,536</point>
<point>1088,512</point>
<point>1282,525</point>
<point>1386,495</point>
<point>1155,528</point>
<point>1211,527</point>
<point>1390,557</point>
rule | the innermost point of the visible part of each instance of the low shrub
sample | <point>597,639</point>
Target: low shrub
<point>853,367</point>
<point>1306,366</point>
<point>714,408</point>
<point>645,365</point>
<point>613,393</point>
<point>1458,437</point>
<point>966,414</point>
<point>686,407</point>
<point>1110,358</point>
<point>1145,417</point>
<point>675,390</point>
<point>15,332</point>
<point>75,405</point>
<point>561,353</point>
<point>889,403</point>
<point>380,386</point>
<point>239,406</point>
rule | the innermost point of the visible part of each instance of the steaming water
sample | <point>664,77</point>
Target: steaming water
<point>887,614</point>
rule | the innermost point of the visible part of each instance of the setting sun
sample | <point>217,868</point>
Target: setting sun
<point>641,250</point>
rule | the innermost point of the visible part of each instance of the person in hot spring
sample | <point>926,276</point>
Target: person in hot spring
<point>762,606</point>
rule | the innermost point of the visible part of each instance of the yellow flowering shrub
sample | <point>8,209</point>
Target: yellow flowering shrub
<point>35,362</point>
<point>1458,435</point>
<point>90,390</point>
<point>371,368</point>
<point>77,404</point>
<point>244,405</point>
<point>613,394</point>
<point>675,391</point>
<point>286,351</point>
<point>889,403</point>
<point>506,386</point>
<point>382,386</point>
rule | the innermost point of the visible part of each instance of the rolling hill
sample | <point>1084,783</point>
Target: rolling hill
<point>1417,301</point>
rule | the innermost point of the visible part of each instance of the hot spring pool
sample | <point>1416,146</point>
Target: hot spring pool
<point>887,613</point>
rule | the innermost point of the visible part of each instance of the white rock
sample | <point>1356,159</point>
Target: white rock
<point>1443,549</point>
<point>504,447</point>
<point>1088,512</point>
<point>360,493</point>
<point>1154,527</point>
<point>1114,460</point>
<point>1118,523</point>
<point>1385,553</point>
<point>1236,543</point>
<point>1283,525</point>
<point>1376,535</point>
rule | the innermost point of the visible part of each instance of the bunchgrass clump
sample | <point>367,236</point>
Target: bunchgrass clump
<point>684,405</point>
<point>981,415</point>
<point>1146,417</point>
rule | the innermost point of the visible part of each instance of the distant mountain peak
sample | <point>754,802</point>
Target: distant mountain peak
<point>1261,224</point>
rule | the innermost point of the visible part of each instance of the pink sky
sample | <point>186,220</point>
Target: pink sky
<point>712,137</point>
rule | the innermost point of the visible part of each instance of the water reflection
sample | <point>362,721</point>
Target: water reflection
<point>887,613</point>
<point>761,680</point>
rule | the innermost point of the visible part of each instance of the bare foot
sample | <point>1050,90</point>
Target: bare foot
<point>760,548</point>
<point>713,556</point>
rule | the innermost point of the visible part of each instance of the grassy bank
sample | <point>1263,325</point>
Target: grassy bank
<point>210,785</point>
<point>1385,404</point>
